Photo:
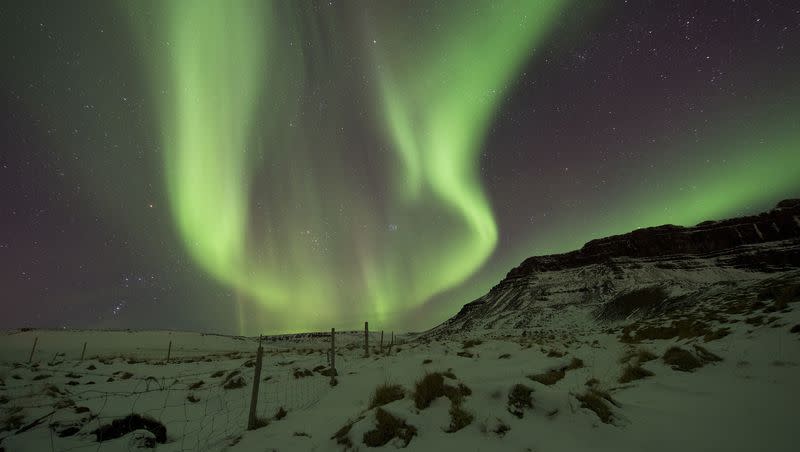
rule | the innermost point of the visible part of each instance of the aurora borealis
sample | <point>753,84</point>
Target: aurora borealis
<point>255,166</point>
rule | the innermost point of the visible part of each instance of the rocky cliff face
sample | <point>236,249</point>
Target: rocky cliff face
<point>638,273</point>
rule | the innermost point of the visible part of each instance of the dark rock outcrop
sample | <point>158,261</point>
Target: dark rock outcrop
<point>781,223</point>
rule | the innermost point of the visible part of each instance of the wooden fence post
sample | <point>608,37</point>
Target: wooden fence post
<point>333,356</point>
<point>33,349</point>
<point>169,352</point>
<point>252,420</point>
<point>84,351</point>
<point>366,339</point>
<point>381,342</point>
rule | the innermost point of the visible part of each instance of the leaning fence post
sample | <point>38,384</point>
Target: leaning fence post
<point>169,352</point>
<point>333,356</point>
<point>366,339</point>
<point>33,349</point>
<point>84,351</point>
<point>252,420</point>
<point>381,342</point>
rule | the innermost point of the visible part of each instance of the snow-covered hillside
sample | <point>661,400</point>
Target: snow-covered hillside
<point>577,400</point>
<point>626,345</point>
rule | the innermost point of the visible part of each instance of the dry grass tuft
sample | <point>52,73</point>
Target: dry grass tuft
<point>449,374</point>
<point>386,393</point>
<point>705,355</point>
<point>196,385</point>
<point>192,398</point>
<point>432,386</point>
<point>459,418</point>
<point>429,388</point>
<point>795,329</point>
<point>501,429</point>
<point>680,359</point>
<point>234,380</point>
<point>427,361</point>
<point>576,363</point>
<point>260,422</point>
<point>280,414</point>
<point>342,436</point>
<point>471,343</point>
<point>504,356</point>
<point>388,427</point>
<point>519,398</point>
<point>12,420</point>
<point>596,401</point>
<point>634,372</point>
<point>456,394</point>
<point>549,378</point>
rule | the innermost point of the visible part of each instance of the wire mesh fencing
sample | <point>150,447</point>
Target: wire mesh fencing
<point>190,404</point>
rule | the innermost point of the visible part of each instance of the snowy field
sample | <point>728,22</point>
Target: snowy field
<point>732,386</point>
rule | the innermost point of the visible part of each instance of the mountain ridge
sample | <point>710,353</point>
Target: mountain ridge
<point>683,263</point>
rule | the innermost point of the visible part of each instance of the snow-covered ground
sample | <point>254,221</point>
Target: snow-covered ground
<point>745,402</point>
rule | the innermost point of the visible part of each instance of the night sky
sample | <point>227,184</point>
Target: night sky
<point>261,167</point>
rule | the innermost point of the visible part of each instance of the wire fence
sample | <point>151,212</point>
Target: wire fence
<point>65,405</point>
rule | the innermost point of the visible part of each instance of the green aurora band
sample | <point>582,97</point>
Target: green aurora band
<point>266,198</point>
<point>229,86</point>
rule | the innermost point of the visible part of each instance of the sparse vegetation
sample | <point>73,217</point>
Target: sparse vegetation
<point>519,398</point>
<point>795,329</point>
<point>642,300</point>
<point>388,427</point>
<point>504,356</point>
<point>427,361</point>
<point>680,359</point>
<point>386,393</point>
<point>192,398</point>
<point>634,372</point>
<point>280,414</point>
<point>681,329</point>
<point>196,384</point>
